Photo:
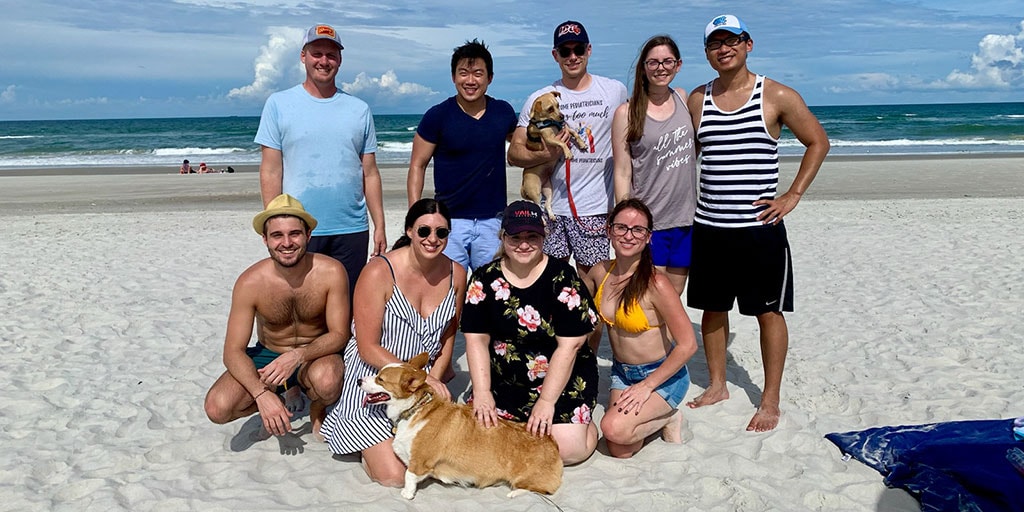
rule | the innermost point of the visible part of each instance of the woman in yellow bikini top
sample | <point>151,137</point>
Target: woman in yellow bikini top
<point>649,378</point>
<point>631,319</point>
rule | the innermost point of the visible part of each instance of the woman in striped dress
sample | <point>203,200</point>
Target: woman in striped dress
<point>418,313</point>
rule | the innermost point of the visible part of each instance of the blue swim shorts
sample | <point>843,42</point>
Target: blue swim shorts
<point>672,247</point>
<point>262,356</point>
<point>672,390</point>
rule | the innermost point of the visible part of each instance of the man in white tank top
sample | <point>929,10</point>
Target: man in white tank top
<point>740,250</point>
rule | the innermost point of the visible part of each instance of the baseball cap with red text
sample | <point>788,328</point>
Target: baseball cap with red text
<point>317,32</point>
<point>570,31</point>
<point>522,216</point>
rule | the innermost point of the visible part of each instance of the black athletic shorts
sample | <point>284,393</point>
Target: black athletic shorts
<point>751,266</point>
<point>351,250</point>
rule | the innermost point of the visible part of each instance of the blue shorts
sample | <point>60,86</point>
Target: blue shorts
<point>671,247</point>
<point>473,243</point>
<point>262,356</point>
<point>672,390</point>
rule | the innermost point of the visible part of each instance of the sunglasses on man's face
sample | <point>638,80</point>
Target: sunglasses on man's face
<point>580,50</point>
<point>424,232</point>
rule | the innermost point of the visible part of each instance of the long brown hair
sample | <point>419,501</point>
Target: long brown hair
<point>638,100</point>
<point>638,283</point>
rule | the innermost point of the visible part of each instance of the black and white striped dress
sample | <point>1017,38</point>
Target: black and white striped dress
<point>739,162</point>
<point>349,426</point>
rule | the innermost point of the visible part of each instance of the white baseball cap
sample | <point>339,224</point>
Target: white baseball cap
<point>726,22</point>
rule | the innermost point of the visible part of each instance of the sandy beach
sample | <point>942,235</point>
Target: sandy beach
<point>909,309</point>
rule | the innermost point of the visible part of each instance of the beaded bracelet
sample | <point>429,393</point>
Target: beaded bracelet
<point>260,394</point>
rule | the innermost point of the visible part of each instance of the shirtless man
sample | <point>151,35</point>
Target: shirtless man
<point>299,301</point>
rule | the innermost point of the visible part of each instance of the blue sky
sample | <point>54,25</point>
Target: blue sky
<point>85,59</point>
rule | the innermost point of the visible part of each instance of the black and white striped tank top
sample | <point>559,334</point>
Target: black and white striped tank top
<point>739,162</point>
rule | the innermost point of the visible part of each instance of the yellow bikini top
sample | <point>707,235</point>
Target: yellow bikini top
<point>634,322</point>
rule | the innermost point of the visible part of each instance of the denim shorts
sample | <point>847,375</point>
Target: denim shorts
<point>672,390</point>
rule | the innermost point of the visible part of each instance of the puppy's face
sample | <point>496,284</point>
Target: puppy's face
<point>545,107</point>
<point>394,382</point>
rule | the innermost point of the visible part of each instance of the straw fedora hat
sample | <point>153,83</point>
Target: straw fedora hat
<point>283,204</point>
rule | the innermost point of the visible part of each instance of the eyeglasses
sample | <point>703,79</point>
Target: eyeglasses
<point>667,63</point>
<point>729,41</point>
<point>424,231</point>
<point>580,50</point>
<point>621,229</point>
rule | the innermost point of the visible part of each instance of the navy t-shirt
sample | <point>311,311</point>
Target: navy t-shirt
<point>469,160</point>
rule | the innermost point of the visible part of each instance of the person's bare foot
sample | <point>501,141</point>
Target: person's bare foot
<point>712,395</point>
<point>766,418</point>
<point>316,430</point>
<point>317,416</point>
<point>676,431</point>
<point>293,400</point>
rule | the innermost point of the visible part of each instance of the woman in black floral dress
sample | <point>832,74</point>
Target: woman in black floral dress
<point>526,321</point>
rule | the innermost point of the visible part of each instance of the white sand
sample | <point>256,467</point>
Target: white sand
<point>908,311</point>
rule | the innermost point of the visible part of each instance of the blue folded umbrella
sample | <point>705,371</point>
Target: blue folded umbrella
<point>959,465</point>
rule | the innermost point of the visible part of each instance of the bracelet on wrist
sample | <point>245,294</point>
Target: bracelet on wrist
<point>257,395</point>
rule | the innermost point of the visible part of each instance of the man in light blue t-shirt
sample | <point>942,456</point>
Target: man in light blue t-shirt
<point>319,145</point>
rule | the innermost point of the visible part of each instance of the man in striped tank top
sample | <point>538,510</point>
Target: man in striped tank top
<point>740,250</point>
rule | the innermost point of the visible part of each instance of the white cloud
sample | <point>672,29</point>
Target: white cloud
<point>386,90</point>
<point>100,100</point>
<point>280,54</point>
<point>8,96</point>
<point>999,63</point>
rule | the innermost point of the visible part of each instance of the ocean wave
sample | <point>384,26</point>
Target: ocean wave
<point>126,158</point>
<point>394,147</point>
<point>9,137</point>
<point>197,151</point>
<point>910,143</point>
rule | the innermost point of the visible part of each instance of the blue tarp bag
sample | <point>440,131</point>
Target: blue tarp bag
<point>961,465</point>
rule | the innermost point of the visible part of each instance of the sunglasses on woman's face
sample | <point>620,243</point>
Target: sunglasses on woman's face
<point>424,231</point>
<point>580,50</point>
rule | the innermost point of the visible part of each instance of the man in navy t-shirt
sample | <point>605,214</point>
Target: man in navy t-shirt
<point>466,136</point>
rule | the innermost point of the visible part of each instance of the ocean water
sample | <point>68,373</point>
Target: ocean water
<point>222,141</point>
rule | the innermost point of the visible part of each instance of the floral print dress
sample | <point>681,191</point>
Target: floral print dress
<point>522,324</point>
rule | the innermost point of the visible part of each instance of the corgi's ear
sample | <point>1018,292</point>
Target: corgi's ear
<point>420,361</point>
<point>412,381</point>
<point>556,94</point>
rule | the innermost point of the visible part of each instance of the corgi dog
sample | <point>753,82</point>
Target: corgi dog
<point>441,439</point>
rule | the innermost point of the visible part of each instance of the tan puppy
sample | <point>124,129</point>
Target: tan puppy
<point>546,122</point>
<point>438,438</point>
